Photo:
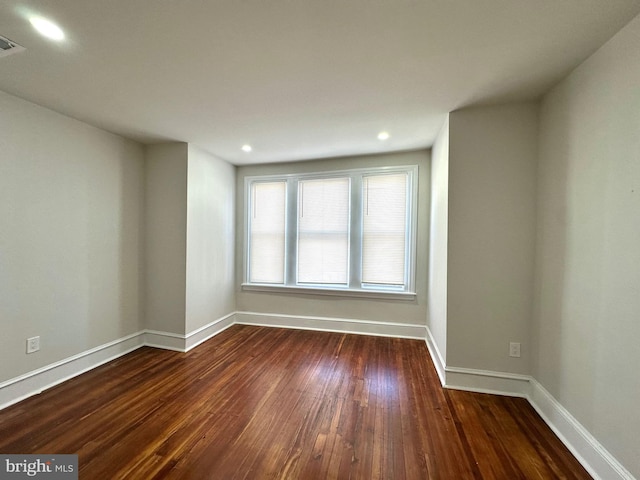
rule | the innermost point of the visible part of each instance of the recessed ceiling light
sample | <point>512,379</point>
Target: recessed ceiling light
<point>47,28</point>
<point>383,135</point>
<point>246,148</point>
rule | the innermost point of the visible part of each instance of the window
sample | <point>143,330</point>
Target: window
<point>384,229</point>
<point>267,232</point>
<point>350,231</point>
<point>323,231</point>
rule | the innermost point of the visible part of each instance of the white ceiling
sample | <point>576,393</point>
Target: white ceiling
<point>296,79</point>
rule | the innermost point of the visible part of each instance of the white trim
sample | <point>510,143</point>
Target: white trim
<point>183,343</point>
<point>165,340</point>
<point>204,333</point>
<point>585,447</point>
<point>355,176</point>
<point>331,324</point>
<point>595,458</point>
<point>34,382</point>
<point>487,381</point>
<point>436,356</point>
<point>336,292</point>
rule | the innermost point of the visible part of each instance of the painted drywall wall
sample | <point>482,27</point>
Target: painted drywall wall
<point>491,244</point>
<point>439,221</point>
<point>166,236</point>
<point>586,321</point>
<point>210,268</point>
<point>71,210</point>
<point>396,311</point>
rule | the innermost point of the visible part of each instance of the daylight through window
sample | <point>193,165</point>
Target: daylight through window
<point>352,230</point>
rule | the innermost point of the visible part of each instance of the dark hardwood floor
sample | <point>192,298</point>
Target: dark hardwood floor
<point>260,403</point>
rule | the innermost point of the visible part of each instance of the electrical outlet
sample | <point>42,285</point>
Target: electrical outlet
<point>514,349</point>
<point>33,344</point>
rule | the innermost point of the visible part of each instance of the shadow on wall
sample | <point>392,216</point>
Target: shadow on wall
<point>555,217</point>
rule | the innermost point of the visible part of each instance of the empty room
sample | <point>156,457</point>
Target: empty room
<point>366,239</point>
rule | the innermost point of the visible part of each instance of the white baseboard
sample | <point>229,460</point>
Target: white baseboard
<point>184,343</point>
<point>34,382</point>
<point>585,447</point>
<point>203,334</point>
<point>481,381</point>
<point>436,356</point>
<point>590,453</point>
<point>331,324</point>
<point>485,381</point>
<point>165,340</point>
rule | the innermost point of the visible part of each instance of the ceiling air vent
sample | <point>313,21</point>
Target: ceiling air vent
<point>7,47</point>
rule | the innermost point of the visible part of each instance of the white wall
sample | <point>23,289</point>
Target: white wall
<point>439,238</point>
<point>587,316</point>
<point>491,236</point>
<point>166,236</point>
<point>210,268</point>
<point>190,238</point>
<point>395,311</point>
<point>71,241</point>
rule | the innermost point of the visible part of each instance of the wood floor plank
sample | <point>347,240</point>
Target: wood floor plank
<point>258,403</point>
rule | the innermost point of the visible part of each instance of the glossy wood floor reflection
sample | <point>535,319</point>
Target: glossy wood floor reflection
<point>261,403</point>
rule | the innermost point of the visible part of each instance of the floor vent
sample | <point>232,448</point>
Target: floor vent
<point>7,47</point>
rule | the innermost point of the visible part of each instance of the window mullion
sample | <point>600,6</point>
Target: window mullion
<point>376,230</point>
<point>355,233</point>
<point>412,227</point>
<point>291,248</point>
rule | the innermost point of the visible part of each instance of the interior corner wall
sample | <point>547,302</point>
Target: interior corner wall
<point>586,321</point>
<point>210,267</point>
<point>71,240</point>
<point>166,237</point>
<point>491,236</point>
<point>438,241</point>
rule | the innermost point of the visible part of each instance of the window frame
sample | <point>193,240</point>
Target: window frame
<point>355,286</point>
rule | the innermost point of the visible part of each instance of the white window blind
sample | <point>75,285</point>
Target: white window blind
<point>323,231</point>
<point>384,230</point>
<point>267,227</point>
<point>351,231</point>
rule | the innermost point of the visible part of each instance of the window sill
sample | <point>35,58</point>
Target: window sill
<point>335,292</point>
